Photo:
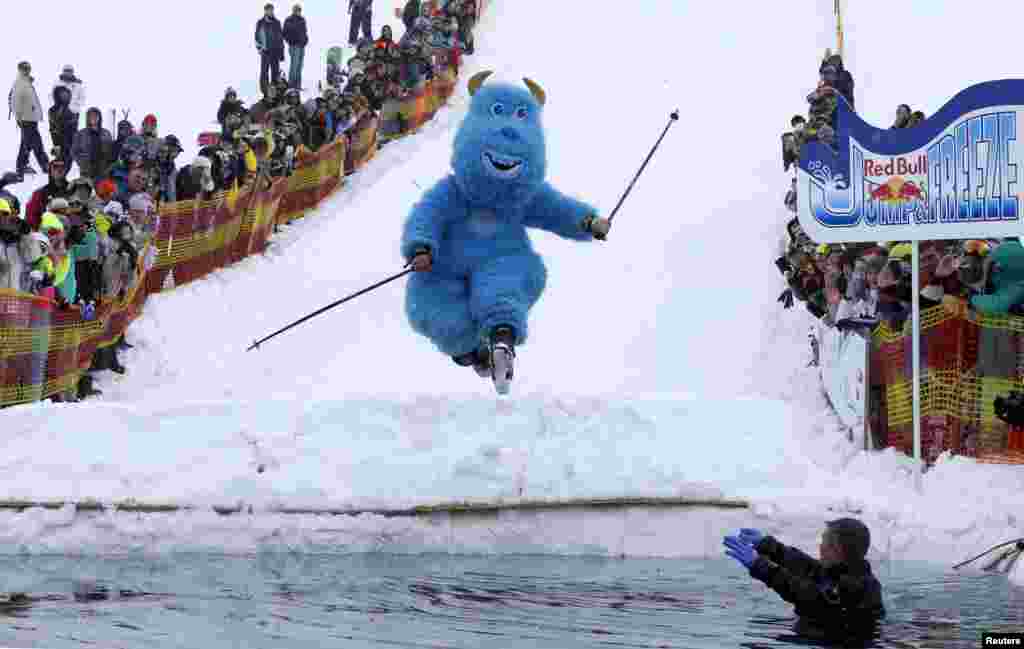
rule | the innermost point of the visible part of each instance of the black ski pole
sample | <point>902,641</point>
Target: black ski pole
<point>673,118</point>
<point>259,342</point>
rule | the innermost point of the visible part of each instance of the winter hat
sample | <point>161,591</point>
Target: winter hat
<point>105,189</point>
<point>68,70</point>
<point>58,204</point>
<point>114,210</point>
<point>149,120</point>
<point>852,536</point>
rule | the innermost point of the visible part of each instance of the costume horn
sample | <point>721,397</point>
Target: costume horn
<point>536,90</point>
<point>477,80</point>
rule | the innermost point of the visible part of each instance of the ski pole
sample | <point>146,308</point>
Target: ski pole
<point>259,342</point>
<point>673,118</point>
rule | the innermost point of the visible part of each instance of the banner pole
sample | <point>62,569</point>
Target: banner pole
<point>916,350</point>
<point>839,28</point>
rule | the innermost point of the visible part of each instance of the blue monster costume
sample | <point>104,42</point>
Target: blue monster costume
<point>485,274</point>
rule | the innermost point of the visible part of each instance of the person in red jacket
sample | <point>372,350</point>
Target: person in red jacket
<point>58,187</point>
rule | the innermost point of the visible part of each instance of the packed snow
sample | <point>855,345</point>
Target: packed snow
<point>659,363</point>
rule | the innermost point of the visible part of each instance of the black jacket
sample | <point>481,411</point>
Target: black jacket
<point>227,107</point>
<point>295,32</point>
<point>273,38</point>
<point>836,602</point>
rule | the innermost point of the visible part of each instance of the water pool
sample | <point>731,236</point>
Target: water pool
<point>378,600</point>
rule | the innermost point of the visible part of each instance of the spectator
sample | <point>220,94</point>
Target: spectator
<point>14,239</point>
<point>56,225</point>
<point>63,123</point>
<point>790,200</point>
<point>410,13</point>
<point>105,190</point>
<point>94,148</point>
<point>902,116</point>
<point>297,37</point>
<point>77,88</point>
<point>125,130</point>
<point>230,105</point>
<point>261,109</point>
<point>10,178</point>
<point>362,17</point>
<point>151,138</point>
<point>464,12</point>
<point>792,141</point>
<point>915,118</point>
<point>86,253</point>
<point>836,76</point>
<point>270,45</point>
<point>168,170</point>
<point>58,187</point>
<point>195,180</point>
<point>28,112</point>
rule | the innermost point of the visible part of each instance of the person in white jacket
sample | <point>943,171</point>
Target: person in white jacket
<point>77,88</point>
<point>14,235</point>
<point>25,106</point>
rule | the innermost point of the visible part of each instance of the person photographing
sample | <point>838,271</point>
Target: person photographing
<point>836,597</point>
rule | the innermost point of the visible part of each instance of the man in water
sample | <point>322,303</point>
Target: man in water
<point>836,597</point>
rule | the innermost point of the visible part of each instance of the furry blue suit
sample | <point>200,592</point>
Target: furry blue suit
<point>485,272</point>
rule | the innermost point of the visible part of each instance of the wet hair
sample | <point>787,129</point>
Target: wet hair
<point>851,535</point>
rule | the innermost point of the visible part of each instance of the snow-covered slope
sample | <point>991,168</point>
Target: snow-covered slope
<point>659,363</point>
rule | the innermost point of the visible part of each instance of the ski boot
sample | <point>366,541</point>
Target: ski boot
<point>503,356</point>
<point>86,388</point>
<point>479,360</point>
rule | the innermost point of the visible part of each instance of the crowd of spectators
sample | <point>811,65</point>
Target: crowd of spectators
<point>79,241</point>
<point>858,286</point>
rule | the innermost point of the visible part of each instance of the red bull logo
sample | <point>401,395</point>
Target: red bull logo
<point>898,190</point>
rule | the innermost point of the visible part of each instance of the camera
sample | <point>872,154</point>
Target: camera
<point>1010,408</point>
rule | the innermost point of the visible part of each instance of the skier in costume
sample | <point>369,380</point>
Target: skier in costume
<point>477,273</point>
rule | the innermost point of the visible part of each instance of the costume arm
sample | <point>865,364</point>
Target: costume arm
<point>425,225</point>
<point>555,212</point>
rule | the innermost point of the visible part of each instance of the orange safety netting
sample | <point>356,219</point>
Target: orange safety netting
<point>966,362</point>
<point>44,350</point>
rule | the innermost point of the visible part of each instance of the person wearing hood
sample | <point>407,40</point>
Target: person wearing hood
<point>835,74</point>
<point>28,112</point>
<point>125,130</point>
<point>169,152</point>
<point>58,187</point>
<point>270,45</point>
<point>76,87</point>
<point>63,123</point>
<point>837,597</point>
<point>296,35</point>
<point>94,147</point>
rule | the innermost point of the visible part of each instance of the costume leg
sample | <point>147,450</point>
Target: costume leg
<point>504,290</point>
<point>438,308</point>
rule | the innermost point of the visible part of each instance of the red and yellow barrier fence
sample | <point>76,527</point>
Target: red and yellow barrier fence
<point>966,362</point>
<point>44,350</point>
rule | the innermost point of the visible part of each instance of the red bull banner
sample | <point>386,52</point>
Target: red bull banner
<point>953,176</point>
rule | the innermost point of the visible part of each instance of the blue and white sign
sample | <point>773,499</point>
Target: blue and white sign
<point>957,175</point>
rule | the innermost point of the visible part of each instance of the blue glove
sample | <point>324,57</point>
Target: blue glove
<point>751,536</point>
<point>740,551</point>
<point>88,311</point>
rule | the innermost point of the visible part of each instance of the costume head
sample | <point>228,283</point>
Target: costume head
<point>499,156</point>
